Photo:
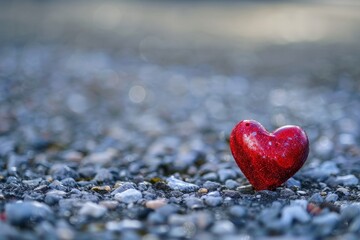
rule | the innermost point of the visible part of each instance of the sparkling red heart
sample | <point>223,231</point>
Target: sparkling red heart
<point>268,159</point>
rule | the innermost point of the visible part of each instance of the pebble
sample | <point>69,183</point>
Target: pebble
<point>348,180</point>
<point>123,187</point>
<point>293,183</point>
<point>294,213</point>
<point>176,184</point>
<point>212,201</point>
<point>103,175</point>
<point>155,204</point>
<point>61,171</point>
<point>286,192</point>
<point>223,227</point>
<point>350,212</point>
<point>93,210</point>
<point>316,198</point>
<point>237,211</point>
<point>126,224</point>
<point>109,204</point>
<point>194,203</point>
<point>332,197</point>
<point>28,213</point>
<point>231,184</point>
<point>325,223</point>
<point>245,189</point>
<point>101,189</point>
<point>128,196</point>
<point>211,186</point>
<point>342,191</point>
<point>225,174</point>
<point>210,176</point>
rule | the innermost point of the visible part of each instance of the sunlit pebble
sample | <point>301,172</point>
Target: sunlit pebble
<point>77,103</point>
<point>137,94</point>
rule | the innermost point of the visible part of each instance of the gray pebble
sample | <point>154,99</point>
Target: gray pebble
<point>103,175</point>
<point>211,186</point>
<point>93,210</point>
<point>60,171</point>
<point>294,213</point>
<point>348,213</point>
<point>332,197</point>
<point>176,184</point>
<point>194,203</point>
<point>28,213</point>
<point>286,192</point>
<point>231,184</point>
<point>293,183</point>
<point>123,187</point>
<point>348,180</point>
<point>128,196</point>
<point>223,227</point>
<point>212,201</point>
<point>237,211</point>
<point>225,174</point>
<point>210,176</point>
<point>316,198</point>
<point>325,223</point>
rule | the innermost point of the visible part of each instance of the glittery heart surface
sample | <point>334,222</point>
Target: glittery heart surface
<point>268,159</point>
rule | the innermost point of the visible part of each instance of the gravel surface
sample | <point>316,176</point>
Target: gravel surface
<point>99,145</point>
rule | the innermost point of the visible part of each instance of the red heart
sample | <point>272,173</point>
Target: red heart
<point>268,159</point>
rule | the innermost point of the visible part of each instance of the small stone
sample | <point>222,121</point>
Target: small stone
<point>350,212</point>
<point>33,183</point>
<point>109,204</point>
<point>212,201</point>
<point>293,183</point>
<point>60,171</point>
<point>128,196</point>
<point>212,186</point>
<point>27,213</point>
<point>102,157</point>
<point>325,223</point>
<point>237,211</point>
<point>104,175</point>
<point>155,204</point>
<point>176,184</point>
<point>122,186</point>
<point>93,210</point>
<point>210,176</point>
<point>302,193</point>
<point>332,197</point>
<point>316,198</point>
<point>203,191</point>
<point>245,189</point>
<point>355,225</point>
<point>124,225</point>
<point>231,184</point>
<point>348,180</point>
<point>194,203</point>
<point>342,191</point>
<point>286,192</point>
<point>294,213</point>
<point>101,189</point>
<point>225,174</point>
<point>223,227</point>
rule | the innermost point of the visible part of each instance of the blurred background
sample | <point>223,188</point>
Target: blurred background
<point>178,67</point>
<point>252,37</point>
